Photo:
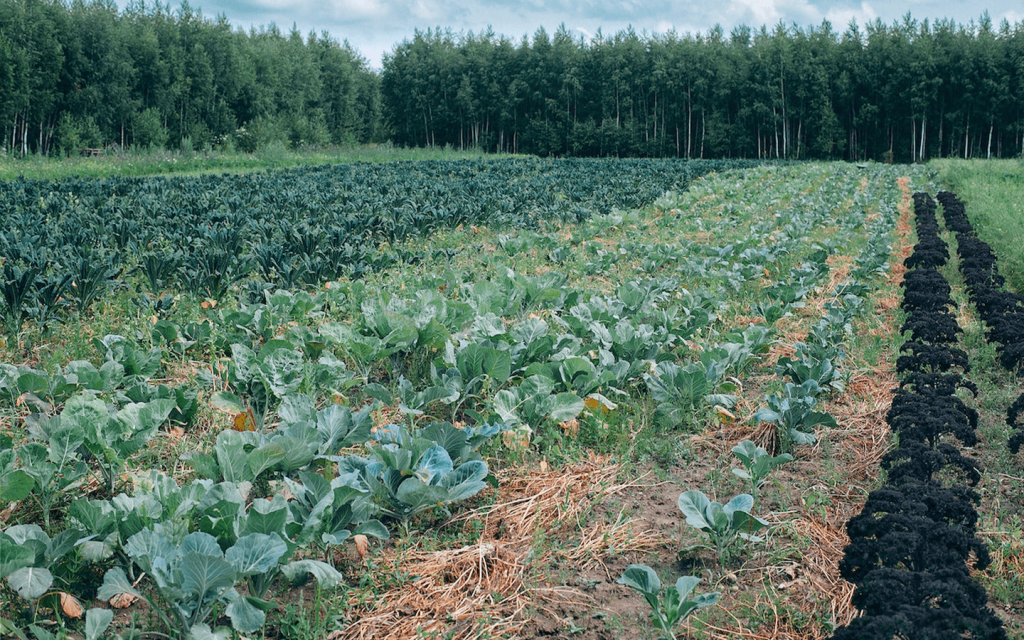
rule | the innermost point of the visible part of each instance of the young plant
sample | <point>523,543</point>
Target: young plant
<point>193,576</point>
<point>793,415</point>
<point>675,605</point>
<point>408,474</point>
<point>758,463</point>
<point>112,439</point>
<point>724,524</point>
<point>28,554</point>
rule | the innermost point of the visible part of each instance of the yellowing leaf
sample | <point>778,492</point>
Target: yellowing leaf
<point>362,545</point>
<point>123,600</point>
<point>70,605</point>
<point>724,414</point>
<point>244,421</point>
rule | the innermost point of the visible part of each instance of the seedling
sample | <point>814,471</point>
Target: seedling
<point>674,605</point>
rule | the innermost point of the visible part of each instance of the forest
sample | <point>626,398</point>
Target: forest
<point>86,75</point>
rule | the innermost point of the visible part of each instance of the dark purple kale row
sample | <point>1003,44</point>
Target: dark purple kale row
<point>914,526</point>
<point>915,461</point>
<point>953,213</point>
<point>925,289</point>
<point>911,545</point>
<point>934,327</point>
<point>929,358</point>
<point>937,384</point>
<point>926,419</point>
<point>1002,311</point>
<point>1015,411</point>
<point>930,250</point>
<point>922,605</point>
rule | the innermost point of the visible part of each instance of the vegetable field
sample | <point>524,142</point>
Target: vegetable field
<point>507,398</point>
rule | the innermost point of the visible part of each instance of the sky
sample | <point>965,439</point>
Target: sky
<point>374,27</point>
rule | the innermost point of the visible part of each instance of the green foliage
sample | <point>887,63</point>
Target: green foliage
<point>28,555</point>
<point>674,605</point>
<point>408,473</point>
<point>793,415</point>
<point>192,576</point>
<point>757,463</point>
<point>724,524</point>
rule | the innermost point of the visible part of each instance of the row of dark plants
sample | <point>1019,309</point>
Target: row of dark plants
<point>69,243</point>
<point>1002,311</point>
<point>913,545</point>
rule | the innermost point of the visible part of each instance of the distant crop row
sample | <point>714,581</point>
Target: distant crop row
<point>1002,311</point>
<point>67,243</point>
<point>913,544</point>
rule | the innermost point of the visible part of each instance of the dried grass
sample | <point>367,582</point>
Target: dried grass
<point>484,589</point>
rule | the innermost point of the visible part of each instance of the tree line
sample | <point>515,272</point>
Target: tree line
<point>80,74</point>
<point>904,92</point>
<point>84,75</point>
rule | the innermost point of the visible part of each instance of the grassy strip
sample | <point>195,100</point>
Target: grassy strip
<point>150,163</point>
<point>991,190</point>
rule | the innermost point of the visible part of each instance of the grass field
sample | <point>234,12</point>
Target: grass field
<point>566,383</point>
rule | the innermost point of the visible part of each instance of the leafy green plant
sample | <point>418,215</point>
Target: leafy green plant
<point>15,484</point>
<point>802,369</point>
<point>112,439</point>
<point>260,379</point>
<point>757,463</point>
<point>408,474</point>
<point>792,413</point>
<point>16,286</point>
<point>193,576</point>
<point>27,554</point>
<point>534,401</point>
<point>55,467</point>
<point>327,513</point>
<point>681,391</point>
<point>723,524</point>
<point>674,605</point>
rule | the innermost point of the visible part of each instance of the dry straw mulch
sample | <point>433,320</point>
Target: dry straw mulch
<point>485,590</point>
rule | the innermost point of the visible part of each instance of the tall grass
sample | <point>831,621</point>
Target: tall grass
<point>162,162</point>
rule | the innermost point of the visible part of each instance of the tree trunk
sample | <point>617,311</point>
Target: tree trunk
<point>913,140</point>
<point>923,134</point>
<point>991,128</point>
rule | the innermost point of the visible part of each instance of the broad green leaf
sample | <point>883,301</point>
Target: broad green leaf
<point>256,553</point>
<point>694,505</point>
<point>206,576</point>
<point>30,582</point>
<point>372,528</point>
<point>203,631</point>
<point>266,516</point>
<point>244,616</point>
<point>326,576</point>
<point>264,458</point>
<point>14,556</point>
<point>643,579</point>
<point>434,463</point>
<point>297,408</point>
<point>741,502</point>
<point>96,622</point>
<point>15,486</point>
<point>414,493</point>
<point>565,406</point>
<point>227,401</point>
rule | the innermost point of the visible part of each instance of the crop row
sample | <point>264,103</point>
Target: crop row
<point>913,544</point>
<point>534,358</point>
<point>67,243</point>
<point>1002,311</point>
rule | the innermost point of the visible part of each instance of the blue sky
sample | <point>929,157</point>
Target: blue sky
<point>375,26</point>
